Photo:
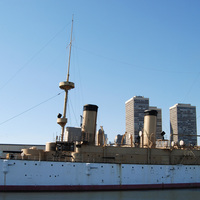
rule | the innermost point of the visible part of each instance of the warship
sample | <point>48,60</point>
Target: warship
<point>85,165</point>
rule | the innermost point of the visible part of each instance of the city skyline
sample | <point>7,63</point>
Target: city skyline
<point>182,121</point>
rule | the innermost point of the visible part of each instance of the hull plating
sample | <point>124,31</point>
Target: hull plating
<point>44,176</point>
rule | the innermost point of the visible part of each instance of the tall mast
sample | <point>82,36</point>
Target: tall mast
<point>70,47</point>
<point>66,85</point>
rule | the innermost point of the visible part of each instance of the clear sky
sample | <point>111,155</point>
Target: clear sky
<point>121,48</point>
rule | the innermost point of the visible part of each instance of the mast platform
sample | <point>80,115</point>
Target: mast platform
<point>66,85</point>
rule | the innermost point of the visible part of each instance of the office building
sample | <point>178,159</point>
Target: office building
<point>183,124</point>
<point>135,108</point>
<point>118,140</point>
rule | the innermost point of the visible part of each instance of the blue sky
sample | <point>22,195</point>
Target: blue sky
<point>120,49</point>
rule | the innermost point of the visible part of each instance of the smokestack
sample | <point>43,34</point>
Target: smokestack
<point>149,132</point>
<point>88,128</point>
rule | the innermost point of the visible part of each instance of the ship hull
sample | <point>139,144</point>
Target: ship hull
<point>23,175</point>
<point>22,188</point>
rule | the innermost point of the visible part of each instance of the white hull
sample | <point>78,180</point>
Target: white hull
<point>45,175</point>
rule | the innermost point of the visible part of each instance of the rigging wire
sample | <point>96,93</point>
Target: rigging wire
<point>31,108</point>
<point>34,56</point>
<point>73,111</point>
<point>133,65</point>
<point>81,86</point>
<point>190,89</point>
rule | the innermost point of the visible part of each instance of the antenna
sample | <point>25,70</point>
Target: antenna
<point>66,85</point>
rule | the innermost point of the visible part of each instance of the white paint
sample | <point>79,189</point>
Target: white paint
<point>23,172</point>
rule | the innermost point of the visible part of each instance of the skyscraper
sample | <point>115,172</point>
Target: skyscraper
<point>159,121</point>
<point>118,140</point>
<point>183,123</point>
<point>135,108</point>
